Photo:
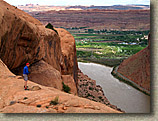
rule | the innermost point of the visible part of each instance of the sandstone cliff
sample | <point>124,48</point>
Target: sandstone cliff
<point>24,39</point>
<point>69,64</point>
<point>14,99</point>
<point>137,68</point>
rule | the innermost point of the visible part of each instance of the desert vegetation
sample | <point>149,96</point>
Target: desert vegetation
<point>66,88</point>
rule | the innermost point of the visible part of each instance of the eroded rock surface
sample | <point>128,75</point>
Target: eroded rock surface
<point>44,74</point>
<point>14,99</point>
<point>69,64</point>
<point>24,39</point>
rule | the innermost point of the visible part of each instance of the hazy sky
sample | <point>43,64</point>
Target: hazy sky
<point>78,2</point>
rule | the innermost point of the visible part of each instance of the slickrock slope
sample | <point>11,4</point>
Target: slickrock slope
<point>137,68</point>
<point>14,99</point>
<point>24,39</point>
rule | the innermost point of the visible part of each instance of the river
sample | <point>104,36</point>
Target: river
<point>118,93</point>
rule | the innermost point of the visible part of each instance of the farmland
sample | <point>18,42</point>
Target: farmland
<point>108,47</point>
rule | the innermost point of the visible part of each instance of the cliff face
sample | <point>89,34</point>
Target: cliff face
<point>137,68</point>
<point>24,39</point>
<point>69,65</point>
<point>14,99</point>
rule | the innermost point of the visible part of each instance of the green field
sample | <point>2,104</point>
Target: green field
<point>108,47</point>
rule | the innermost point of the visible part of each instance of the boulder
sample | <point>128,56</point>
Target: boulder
<point>44,74</point>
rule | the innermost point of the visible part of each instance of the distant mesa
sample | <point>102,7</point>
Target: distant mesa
<point>37,7</point>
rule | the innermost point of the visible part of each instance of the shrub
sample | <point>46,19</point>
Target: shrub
<point>55,101</point>
<point>66,88</point>
<point>50,26</point>
<point>25,98</point>
<point>100,97</point>
<point>90,88</point>
<point>38,106</point>
<point>12,102</point>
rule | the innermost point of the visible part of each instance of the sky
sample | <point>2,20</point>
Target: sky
<point>78,2</point>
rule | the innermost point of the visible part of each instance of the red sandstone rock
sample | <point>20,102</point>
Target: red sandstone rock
<point>68,80</point>
<point>137,68</point>
<point>24,39</point>
<point>14,99</point>
<point>44,74</point>
<point>69,63</point>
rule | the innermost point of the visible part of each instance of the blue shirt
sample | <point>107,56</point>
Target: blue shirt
<point>25,70</point>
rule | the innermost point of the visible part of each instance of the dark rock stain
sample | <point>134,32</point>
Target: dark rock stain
<point>38,49</point>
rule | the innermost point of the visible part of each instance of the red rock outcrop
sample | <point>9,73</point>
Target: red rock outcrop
<point>69,64</point>
<point>68,80</point>
<point>137,68</point>
<point>14,99</point>
<point>24,39</point>
<point>68,47</point>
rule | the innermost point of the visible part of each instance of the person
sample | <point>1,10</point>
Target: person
<point>25,75</point>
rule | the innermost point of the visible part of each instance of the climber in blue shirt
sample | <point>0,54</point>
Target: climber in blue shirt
<point>25,75</point>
